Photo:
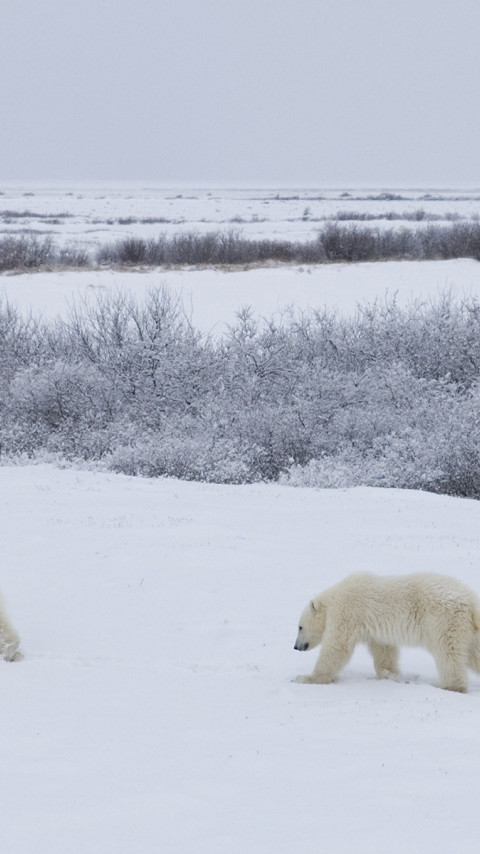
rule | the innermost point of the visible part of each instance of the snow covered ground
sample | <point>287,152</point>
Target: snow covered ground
<point>212,297</point>
<point>155,708</point>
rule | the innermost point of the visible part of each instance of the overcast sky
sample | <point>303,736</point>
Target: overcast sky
<point>264,92</point>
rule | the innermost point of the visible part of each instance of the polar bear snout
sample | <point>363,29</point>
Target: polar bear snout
<point>300,646</point>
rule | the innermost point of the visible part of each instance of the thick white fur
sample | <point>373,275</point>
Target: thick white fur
<point>425,609</point>
<point>9,639</point>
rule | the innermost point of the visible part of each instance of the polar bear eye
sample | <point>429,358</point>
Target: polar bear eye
<point>300,628</point>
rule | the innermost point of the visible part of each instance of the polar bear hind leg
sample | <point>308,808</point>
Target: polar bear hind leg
<point>474,655</point>
<point>451,652</point>
<point>452,672</point>
<point>385,659</point>
<point>9,639</point>
<point>474,650</point>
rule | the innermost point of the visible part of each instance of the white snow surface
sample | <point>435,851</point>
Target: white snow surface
<point>155,708</point>
<point>213,297</point>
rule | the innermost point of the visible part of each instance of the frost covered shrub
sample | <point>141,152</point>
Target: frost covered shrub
<point>155,363</point>
<point>437,449</point>
<point>389,397</point>
<point>350,243</point>
<point>458,450</point>
<point>403,462</point>
<point>72,255</point>
<point>202,457</point>
<point>192,248</point>
<point>26,252</point>
<point>438,340</point>
<point>461,240</point>
<point>61,407</point>
<point>31,252</point>
<point>334,243</point>
<point>61,393</point>
<point>23,341</point>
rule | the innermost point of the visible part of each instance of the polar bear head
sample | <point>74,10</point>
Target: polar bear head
<point>311,625</point>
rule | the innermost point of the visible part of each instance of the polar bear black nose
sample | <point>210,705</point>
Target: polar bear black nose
<point>301,647</point>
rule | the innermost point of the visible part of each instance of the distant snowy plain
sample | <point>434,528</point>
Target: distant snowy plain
<point>90,216</point>
<point>155,708</point>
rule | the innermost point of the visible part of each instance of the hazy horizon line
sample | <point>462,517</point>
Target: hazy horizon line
<point>151,184</point>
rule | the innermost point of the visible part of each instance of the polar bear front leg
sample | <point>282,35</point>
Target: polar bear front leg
<point>334,656</point>
<point>385,659</point>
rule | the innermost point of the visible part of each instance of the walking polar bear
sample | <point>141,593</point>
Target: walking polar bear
<point>424,609</point>
<point>9,639</point>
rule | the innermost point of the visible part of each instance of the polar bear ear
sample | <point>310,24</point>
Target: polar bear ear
<point>312,606</point>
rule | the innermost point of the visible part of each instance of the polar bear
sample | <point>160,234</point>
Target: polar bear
<point>9,639</point>
<point>423,609</point>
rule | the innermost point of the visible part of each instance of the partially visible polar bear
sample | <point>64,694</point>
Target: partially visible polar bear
<point>424,609</point>
<point>9,639</point>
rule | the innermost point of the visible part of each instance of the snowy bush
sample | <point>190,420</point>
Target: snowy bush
<point>336,242</point>
<point>390,397</point>
<point>31,252</point>
<point>184,457</point>
<point>438,451</point>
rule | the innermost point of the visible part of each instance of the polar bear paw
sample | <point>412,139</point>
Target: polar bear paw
<point>384,673</point>
<point>11,652</point>
<point>314,680</point>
